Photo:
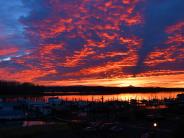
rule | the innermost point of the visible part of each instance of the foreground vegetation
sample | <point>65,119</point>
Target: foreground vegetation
<point>76,131</point>
<point>54,131</point>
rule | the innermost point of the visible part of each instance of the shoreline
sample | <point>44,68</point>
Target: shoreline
<point>80,93</point>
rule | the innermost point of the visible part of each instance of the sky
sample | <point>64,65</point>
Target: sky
<point>93,42</point>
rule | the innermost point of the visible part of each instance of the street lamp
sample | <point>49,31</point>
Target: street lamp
<point>155,124</point>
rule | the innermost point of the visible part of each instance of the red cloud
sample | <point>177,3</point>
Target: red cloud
<point>174,51</point>
<point>8,51</point>
<point>97,25</point>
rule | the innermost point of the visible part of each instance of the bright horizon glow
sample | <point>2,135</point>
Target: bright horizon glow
<point>151,81</point>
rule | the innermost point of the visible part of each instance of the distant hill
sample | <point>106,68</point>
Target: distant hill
<point>12,87</point>
<point>7,87</point>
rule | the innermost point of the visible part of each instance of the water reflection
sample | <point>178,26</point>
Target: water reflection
<point>35,123</point>
<point>111,97</point>
<point>121,97</point>
<point>32,123</point>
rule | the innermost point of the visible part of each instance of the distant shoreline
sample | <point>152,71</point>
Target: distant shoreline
<point>78,93</point>
<point>16,88</point>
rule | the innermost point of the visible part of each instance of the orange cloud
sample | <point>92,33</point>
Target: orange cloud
<point>8,51</point>
<point>173,52</point>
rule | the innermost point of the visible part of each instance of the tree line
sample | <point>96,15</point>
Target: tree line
<point>13,87</point>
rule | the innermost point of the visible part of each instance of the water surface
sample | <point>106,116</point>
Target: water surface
<point>123,96</point>
<point>108,97</point>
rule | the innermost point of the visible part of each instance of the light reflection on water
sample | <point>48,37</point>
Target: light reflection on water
<point>32,123</point>
<point>35,123</point>
<point>108,97</point>
<point>123,96</point>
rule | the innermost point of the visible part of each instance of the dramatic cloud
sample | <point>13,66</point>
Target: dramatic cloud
<point>82,42</point>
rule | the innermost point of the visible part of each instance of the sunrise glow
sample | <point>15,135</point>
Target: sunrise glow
<point>93,42</point>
